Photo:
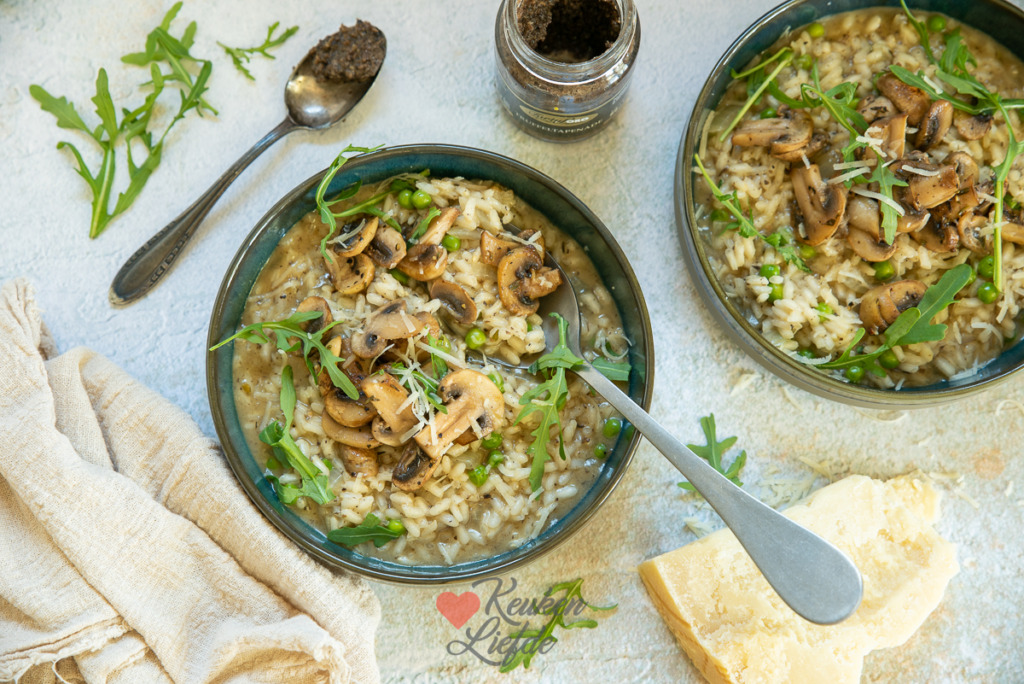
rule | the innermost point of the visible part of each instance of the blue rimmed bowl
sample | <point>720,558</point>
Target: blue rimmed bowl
<point>998,19</point>
<point>539,191</point>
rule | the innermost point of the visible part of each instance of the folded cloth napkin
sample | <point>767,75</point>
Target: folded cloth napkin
<point>128,552</point>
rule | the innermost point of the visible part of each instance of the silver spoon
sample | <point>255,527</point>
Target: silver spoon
<point>311,104</point>
<point>811,575</point>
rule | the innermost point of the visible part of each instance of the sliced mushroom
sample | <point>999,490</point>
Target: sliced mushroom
<point>473,402</point>
<point>875,107</point>
<point>972,127</point>
<point>817,143</point>
<point>934,125</point>
<point>350,275</point>
<point>821,204</point>
<point>413,468</point>
<point>785,135</point>
<point>893,132</point>
<point>319,304</point>
<point>523,278</point>
<point>869,247</point>
<point>862,214</point>
<point>455,300</point>
<point>387,248</point>
<point>360,437</point>
<point>360,233</point>
<point>390,322</point>
<point>966,169</point>
<point>912,220</point>
<point>493,248</point>
<point>384,434</point>
<point>908,99</point>
<point>342,408</point>
<point>1013,227</point>
<point>925,192</point>
<point>427,259</point>
<point>939,235</point>
<point>359,461</point>
<point>969,228</point>
<point>390,400</point>
<point>881,306</point>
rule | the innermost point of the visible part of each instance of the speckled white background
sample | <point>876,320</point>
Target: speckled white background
<point>436,86</point>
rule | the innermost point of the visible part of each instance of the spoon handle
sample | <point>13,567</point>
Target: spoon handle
<point>151,261</point>
<point>811,575</point>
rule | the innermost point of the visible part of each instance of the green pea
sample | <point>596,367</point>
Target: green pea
<point>498,381</point>
<point>492,441</point>
<point>769,113</point>
<point>612,426</point>
<point>884,270</point>
<point>825,310</point>
<point>600,451</point>
<point>451,243</point>
<point>988,293</point>
<point>987,267</point>
<point>405,198</point>
<point>777,292</point>
<point>396,526</point>
<point>479,475</point>
<point>476,338</point>
<point>273,463</point>
<point>888,359</point>
<point>804,62</point>
<point>719,216</point>
<point>807,354</point>
<point>442,344</point>
<point>770,270</point>
<point>495,458</point>
<point>816,30</point>
<point>420,200</point>
<point>936,23</point>
<point>627,431</point>
<point>854,373</point>
<point>807,252</point>
<point>399,276</point>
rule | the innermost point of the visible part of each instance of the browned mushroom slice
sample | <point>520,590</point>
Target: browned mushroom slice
<point>821,204</point>
<point>387,248</point>
<point>892,130</point>
<point>390,322</point>
<point>413,468</point>
<point>493,248</point>
<point>390,400</point>
<point>427,259</point>
<point>522,279</point>
<point>473,402</point>
<point>912,220</point>
<point>320,305</point>
<point>360,437</point>
<point>357,235</point>
<point>384,434</point>
<point>862,214</point>
<point>455,300</point>
<point>914,102</point>
<point>969,228</point>
<point>934,125</point>
<point>881,306</point>
<point>966,169</point>
<point>927,191</point>
<point>358,461</point>
<point>972,127</point>
<point>939,235</point>
<point>1012,229</point>
<point>784,135</point>
<point>869,247</point>
<point>875,107</point>
<point>816,145</point>
<point>350,275</point>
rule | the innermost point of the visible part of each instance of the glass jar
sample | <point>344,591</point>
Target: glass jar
<point>563,101</point>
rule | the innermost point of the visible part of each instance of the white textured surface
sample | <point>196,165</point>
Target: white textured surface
<point>436,87</point>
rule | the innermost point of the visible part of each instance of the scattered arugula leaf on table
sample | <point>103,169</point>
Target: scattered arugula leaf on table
<point>371,529</point>
<point>133,133</point>
<point>713,452</point>
<point>242,56</point>
<point>547,398</point>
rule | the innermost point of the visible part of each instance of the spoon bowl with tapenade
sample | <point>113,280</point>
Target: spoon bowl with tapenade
<point>322,89</point>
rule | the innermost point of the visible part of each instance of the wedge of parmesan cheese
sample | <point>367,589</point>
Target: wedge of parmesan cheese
<point>736,629</point>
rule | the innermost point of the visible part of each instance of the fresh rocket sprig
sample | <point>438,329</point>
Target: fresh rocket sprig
<point>371,529</point>
<point>713,453</point>
<point>242,56</point>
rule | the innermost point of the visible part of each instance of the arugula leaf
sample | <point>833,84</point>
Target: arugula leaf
<point>326,215</point>
<point>314,481</point>
<point>424,224</point>
<point>713,452</point>
<point>133,131</point>
<point>546,398</point>
<point>784,56</point>
<point>573,589</point>
<point>292,327</point>
<point>241,56</point>
<point>371,529</point>
<point>616,371</point>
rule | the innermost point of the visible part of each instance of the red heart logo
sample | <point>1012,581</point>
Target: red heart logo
<point>458,609</point>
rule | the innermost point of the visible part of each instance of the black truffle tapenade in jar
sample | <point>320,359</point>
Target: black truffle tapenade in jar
<point>564,65</point>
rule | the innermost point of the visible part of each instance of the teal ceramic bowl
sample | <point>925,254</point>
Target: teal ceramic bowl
<point>1000,20</point>
<point>542,193</point>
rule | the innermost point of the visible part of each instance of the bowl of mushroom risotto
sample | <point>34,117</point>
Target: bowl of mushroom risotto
<point>378,370</point>
<point>849,194</point>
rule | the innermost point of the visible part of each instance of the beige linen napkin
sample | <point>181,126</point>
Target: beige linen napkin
<point>127,545</point>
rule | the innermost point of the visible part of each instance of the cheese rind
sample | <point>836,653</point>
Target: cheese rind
<point>736,629</point>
